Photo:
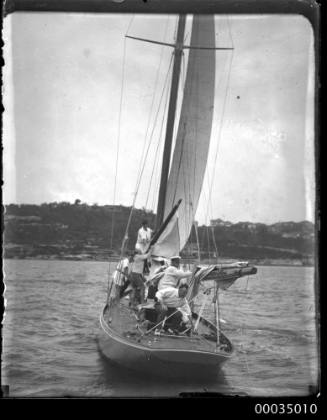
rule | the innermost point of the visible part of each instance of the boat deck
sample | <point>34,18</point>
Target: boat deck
<point>123,321</point>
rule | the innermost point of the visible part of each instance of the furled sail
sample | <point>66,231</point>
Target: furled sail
<point>193,135</point>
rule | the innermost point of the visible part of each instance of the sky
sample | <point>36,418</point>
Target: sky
<point>81,103</point>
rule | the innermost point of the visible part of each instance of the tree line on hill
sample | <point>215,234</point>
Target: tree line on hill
<point>64,229</point>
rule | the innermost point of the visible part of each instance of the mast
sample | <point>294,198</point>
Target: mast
<point>178,51</point>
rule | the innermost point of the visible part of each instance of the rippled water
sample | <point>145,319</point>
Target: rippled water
<point>52,321</point>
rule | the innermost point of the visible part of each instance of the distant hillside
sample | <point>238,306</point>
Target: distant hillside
<point>82,231</point>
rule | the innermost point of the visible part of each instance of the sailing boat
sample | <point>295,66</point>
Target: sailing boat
<point>123,338</point>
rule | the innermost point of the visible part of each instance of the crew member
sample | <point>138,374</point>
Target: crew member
<point>119,278</point>
<point>159,265</point>
<point>143,237</point>
<point>172,304</point>
<point>137,279</point>
<point>173,274</point>
<point>143,242</point>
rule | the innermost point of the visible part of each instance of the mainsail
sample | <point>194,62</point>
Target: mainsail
<point>193,136</point>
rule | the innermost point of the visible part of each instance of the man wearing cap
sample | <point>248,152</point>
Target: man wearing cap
<point>158,267</point>
<point>173,274</point>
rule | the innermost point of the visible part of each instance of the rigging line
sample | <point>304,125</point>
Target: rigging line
<point>206,227</point>
<point>139,181</point>
<point>155,165</point>
<point>230,31</point>
<point>207,175</point>
<point>191,152</point>
<point>187,180</point>
<point>197,240</point>
<point>177,129</point>
<point>208,240</point>
<point>187,189</point>
<point>157,184</point>
<point>151,136</point>
<point>196,133</point>
<point>188,154</point>
<point>182,177</point>
<point>130,24</point>
<point>214,241</point>
<point>211,227</point>
<point>183,71</point>
<point>203,236</point>
<point>118,136</point>
<point>209,198</point>
<point>177,126</point>
<point>179,168</point>
<point>206,222</point>
<point>176,26</point>
<point>152,103</point>
<point>221,121</point>
<point>157,177</point>
<point>156,181</point>
<point>189,208</point>
<point>209,179</point>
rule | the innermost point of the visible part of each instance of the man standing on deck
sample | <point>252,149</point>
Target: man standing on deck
<point>143,237</point>
<point>173,274</point>
<point>119,279</point>
<point>143,242</point>
<point>136,277</point>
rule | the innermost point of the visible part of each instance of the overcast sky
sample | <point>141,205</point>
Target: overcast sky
<point>65,113</point>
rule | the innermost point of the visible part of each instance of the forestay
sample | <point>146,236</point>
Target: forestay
<point>193,136</point>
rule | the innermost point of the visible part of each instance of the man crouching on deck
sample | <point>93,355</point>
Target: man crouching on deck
<point>172,304</point>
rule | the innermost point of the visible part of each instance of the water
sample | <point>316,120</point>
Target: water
<point>52,321</point>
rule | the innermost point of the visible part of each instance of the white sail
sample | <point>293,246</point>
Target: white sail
<point>193,136</point>
<point>168,243</point>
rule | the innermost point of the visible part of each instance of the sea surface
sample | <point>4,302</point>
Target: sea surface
<point>52,321</point>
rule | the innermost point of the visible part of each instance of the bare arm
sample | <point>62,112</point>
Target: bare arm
<point>141,257</point>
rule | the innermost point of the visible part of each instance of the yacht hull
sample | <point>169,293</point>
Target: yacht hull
<point>166,362</point>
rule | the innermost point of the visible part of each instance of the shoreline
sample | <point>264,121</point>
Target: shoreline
<point>77,258</point>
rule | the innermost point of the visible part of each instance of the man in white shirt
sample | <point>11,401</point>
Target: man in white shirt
<point>143,237</point>
<point>143,242</point>
<point>172,303</point>
<point>173,274</point>
<point>119,278</point>
<point>158,266</point>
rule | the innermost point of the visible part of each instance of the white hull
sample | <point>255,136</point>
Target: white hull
<point>167,362</point>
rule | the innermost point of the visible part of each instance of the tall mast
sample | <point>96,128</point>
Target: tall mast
<point>178,51</point>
